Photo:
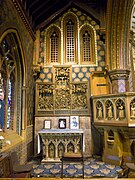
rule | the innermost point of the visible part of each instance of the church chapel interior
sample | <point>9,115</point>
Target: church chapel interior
<point>67,80</point>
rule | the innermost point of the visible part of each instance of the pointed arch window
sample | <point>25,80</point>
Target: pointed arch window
<point>53,46</point>
<point>70,41</point>
<point>11,73</point>
<point>86,47</point>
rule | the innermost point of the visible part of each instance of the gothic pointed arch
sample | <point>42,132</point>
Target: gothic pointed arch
<point>70,39</point>
<point>53,45</point>
<point>87,45</point>
<point>12,80</point>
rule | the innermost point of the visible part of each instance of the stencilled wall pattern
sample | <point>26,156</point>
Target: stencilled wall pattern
<point>79,72</point>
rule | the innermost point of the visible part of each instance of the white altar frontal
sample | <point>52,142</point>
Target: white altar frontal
<point>54,142</point>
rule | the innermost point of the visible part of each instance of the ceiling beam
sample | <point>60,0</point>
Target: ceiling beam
<point>46,10</point>
<point>53,16</point>
<point>40,6</point>
<point>33,3</point>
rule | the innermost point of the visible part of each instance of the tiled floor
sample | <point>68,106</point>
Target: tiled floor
<point>93,168</point>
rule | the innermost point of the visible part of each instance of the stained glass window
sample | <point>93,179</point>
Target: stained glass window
<point>11,81</point>
<point>9,104</point>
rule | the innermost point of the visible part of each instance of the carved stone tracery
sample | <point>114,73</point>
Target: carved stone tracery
<point>117,108</point>
<point>54,144</point>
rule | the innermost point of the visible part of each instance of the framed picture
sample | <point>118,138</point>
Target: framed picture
<point>47,124</point>
<point>62,123</point>
<point>74,122</point>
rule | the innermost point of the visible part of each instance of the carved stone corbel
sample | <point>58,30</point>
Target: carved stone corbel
<point>119,74</point>
<point>36,71</point>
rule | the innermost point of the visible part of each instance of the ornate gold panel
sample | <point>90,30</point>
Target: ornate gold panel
<point>45,97</point>
<point>62,96</point>
<point>79,96</point>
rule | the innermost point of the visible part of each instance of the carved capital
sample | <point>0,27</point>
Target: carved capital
<point>119,74</point>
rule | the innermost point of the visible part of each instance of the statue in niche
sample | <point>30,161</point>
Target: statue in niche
<point>109,110</point>
<point>132,109</point>
<point>99,108</point>
<point>120,109</point>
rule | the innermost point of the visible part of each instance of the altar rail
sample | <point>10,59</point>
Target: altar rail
<point>114,109</point>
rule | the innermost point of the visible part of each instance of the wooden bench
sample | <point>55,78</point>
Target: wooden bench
<point>72,157</point>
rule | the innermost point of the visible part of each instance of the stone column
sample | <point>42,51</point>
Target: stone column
<point>117,43</point>
<point>46,150</point>
<point>56,150</point>
<point>119,80</point>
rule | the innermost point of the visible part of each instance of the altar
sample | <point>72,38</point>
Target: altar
<point>54,142</point>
